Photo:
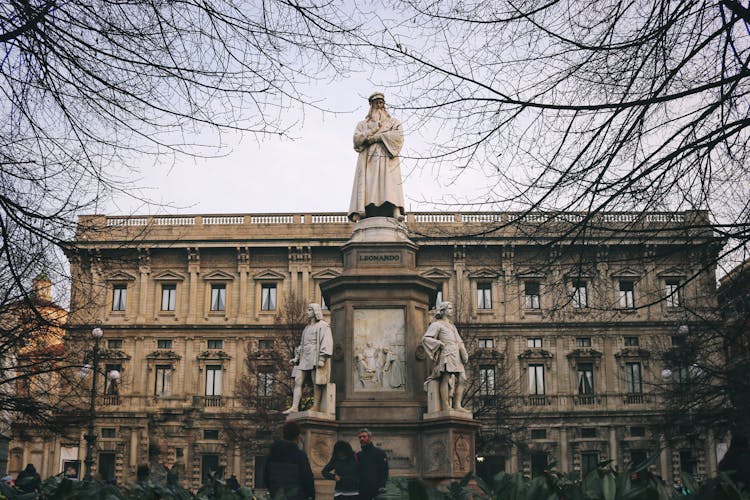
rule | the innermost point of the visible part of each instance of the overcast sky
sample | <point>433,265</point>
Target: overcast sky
<point>313,172</point>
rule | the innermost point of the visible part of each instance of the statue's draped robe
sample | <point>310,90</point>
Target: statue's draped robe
<point>451,356</point>
<point>378,176</point>
<point>316,345</point>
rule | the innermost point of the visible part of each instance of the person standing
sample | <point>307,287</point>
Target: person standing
<point>288,473</point>
<point>343,468</point>
<point>736,461</point>
<point>373,467</point>
<point>28,480</point>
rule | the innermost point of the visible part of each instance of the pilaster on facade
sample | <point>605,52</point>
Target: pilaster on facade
<point>144,273</point>
<point>243,270</point>
<point>194,269</point>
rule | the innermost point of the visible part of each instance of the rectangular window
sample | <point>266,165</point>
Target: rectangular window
<point>633,378</point>
<point>168,297</point>
<point>265,383</point>
<point>632,342</point>
<point>259,472</point>
<point>627,295</point>
<point>106,466</point>
<point>487,380</point>
<point>323,304</point>
<point>109,432</point>
<point>114,344</point>
<point>213,380</point>
<point>164,344</point>
<point>534,342</point>
<point>580,295</point>
<point>536,380</point>
<point>487,343</point>
<point>531,294</point>
<point>583,342</point>
<point>688,462</point>
<point>673,291</point>
<point>111,384</point>
<point>589,462</point>
<point>539,463</point>
<point>210,434</point>
<point>218,297</point>
<point>119,297</point>
<point>637,431</point>
<point>209,464</point>
<point>638,457</point>
<point>265,345</point>
<point>484,295</point>
<point>268,297</point>
<point>538,434</point>
<point>163,384</point>
<point>215,344</point>
<point>588,432</point>
<point>585,379</point>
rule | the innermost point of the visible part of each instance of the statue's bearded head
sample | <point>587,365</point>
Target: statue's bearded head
<point>377,107</point>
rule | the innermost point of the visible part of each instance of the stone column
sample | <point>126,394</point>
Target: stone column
<point>193,276</point>
<point>613,445</point>
<point>133,447</point>
<point>665,462</point>
<point>243,269</point>
<point>564,465</point>
<point>460,298</point>
<point>144,272</point>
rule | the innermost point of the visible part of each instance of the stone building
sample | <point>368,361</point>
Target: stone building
<point>566,316</point>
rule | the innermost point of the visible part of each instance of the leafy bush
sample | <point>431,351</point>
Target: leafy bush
<point>604,483</point>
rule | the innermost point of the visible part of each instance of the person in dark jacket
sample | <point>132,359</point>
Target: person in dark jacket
<point>373,467</point>
<point>736,461</point>
<point>288,473</point>
<point>28,480</point>
<point>343,469</point>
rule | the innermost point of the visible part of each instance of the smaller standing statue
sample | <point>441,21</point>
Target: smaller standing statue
<point>444,346</point>
<point>313,358</point>
<point>377,190</point>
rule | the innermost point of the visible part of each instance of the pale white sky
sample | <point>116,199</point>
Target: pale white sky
<point>311,173</point>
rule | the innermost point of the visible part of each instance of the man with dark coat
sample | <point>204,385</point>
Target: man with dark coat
<point>288,473</point>
<point>373,467</point>
<point>736,461</point>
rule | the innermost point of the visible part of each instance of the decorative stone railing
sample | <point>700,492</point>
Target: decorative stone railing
<point>492,218</point>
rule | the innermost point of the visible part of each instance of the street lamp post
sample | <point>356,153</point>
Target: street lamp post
<point>90,435</point>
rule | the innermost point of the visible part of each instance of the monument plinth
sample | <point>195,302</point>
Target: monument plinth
<point>382,358</point>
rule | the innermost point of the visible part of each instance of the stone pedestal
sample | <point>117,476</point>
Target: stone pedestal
<point>448,446</point>
<point>379,312</point>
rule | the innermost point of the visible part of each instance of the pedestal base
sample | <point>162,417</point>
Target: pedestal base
<point>327,408</point>
<point>459,414</point>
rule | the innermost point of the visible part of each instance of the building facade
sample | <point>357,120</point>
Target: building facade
<point>566,317</point>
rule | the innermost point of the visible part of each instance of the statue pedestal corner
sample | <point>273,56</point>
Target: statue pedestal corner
<point>326,409</point>
<point>434,410</point>
<point>440,414</point>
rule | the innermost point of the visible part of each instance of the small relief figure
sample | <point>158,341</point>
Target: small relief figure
<point>370,355</point>
<point>361,367</point>
<point>393,374</point>
<point>444,346</point>
<point>313,358</point>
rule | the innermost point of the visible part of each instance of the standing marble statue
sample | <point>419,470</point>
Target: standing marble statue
<point>313,358</point>
<point>444,346</point>
<point>377,190</point>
